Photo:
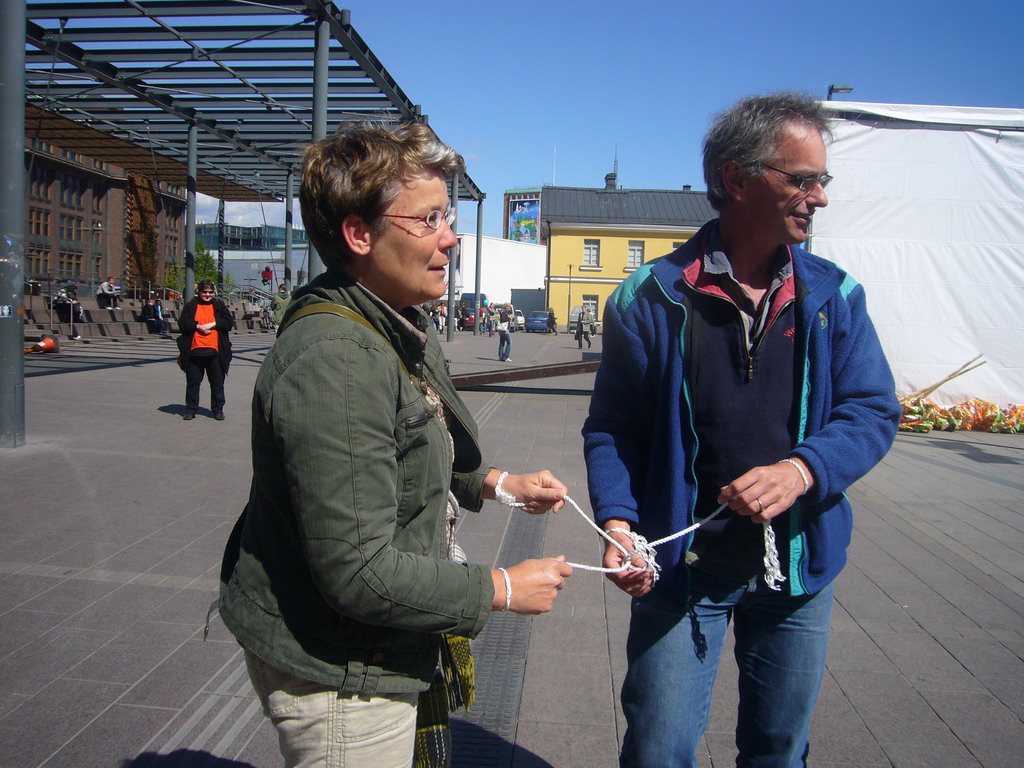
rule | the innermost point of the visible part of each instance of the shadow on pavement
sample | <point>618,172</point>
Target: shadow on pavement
<point>183,758</point>
<point>175,409</point>
<point>475,746</point>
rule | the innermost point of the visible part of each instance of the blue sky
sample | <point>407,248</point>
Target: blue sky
<point>542,93</point>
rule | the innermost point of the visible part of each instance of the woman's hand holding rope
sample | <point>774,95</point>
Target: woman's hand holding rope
<point>530,586</point>
<point>534,492</point>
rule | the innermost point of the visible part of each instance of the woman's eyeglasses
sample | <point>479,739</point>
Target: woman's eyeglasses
<point>432,219</point>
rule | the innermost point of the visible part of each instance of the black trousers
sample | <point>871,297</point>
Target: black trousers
<point>198,366</point>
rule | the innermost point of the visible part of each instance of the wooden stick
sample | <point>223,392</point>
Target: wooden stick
<point>958,372</point>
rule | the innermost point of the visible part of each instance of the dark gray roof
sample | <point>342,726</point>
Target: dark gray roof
<point>671,207</point>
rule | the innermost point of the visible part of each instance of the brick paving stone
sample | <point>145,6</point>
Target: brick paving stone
<point>42,724</point>
<point>114,738</point>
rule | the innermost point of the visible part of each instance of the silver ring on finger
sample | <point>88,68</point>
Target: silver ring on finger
<point>759,507</point>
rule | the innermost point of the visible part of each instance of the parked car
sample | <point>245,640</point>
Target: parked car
<point>470,303</point>
<point>518,321</point>
<point>537,321</point>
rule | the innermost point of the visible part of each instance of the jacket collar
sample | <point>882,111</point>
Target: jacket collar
<point>815,276</point>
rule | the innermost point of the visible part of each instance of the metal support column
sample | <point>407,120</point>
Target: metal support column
<point>12,227</point>
<point>321,60</point>
<point>453,260</point>
<point>190,212</point>
<point>479,261</point>
<point>289,195</point>
<point>220,246</point>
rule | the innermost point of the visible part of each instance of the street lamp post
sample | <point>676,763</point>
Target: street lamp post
<point>95,243</point>
<point>837,88</point>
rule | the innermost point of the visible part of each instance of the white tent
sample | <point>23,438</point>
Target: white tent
<point>927,213</point>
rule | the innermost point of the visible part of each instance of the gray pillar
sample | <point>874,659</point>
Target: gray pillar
<point>190,213</point>
<point>321,59</point>
<point>453,258</point>
<point>220,246</point>
<point>479,258</point>
<point>12,227</point>
<point>288,195</point>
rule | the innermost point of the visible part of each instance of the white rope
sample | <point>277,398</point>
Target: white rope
<point>772,572</point>
<point>644,549</point>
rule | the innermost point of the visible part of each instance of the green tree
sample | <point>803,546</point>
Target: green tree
<point>205,269</point>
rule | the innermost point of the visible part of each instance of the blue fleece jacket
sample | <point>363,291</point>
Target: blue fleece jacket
<point>639,438</point>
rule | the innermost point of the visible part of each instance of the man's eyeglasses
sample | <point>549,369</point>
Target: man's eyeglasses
<point>432,219</point>
<point>803,183</point>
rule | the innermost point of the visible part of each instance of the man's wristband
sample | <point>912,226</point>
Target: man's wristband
<point>508,589</point>
<point>803,475</point>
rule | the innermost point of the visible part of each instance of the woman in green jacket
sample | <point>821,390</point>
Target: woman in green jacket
<point>343,581</point>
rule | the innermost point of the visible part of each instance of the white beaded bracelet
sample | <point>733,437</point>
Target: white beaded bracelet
<point>803,475</point>
<point>508,589</point>
<point>504,497</point>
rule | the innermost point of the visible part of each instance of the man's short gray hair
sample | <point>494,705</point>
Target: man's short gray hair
<point>749,133</point>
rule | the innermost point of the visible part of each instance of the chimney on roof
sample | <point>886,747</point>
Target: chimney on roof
<point>609,180</point>
<point>687,187</point>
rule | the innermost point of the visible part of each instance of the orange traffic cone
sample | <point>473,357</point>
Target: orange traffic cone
<point>45,344</point>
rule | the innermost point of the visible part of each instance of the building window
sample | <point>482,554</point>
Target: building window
<point>98,192</point>
<point>676,246</point>
<point>69,264</point>
<point>71,190</point>
<point>71,231</point>
<point>591,253</point>
<point>39,185</point>
<point>37,262</point>
<point>38,222</point>
<point>635,257</point>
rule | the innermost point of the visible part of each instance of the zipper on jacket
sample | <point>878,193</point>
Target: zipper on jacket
<point>684,354</point>
<point>752,354</point>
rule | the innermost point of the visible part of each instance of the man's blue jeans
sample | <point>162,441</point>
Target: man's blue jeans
<point>674,650</point>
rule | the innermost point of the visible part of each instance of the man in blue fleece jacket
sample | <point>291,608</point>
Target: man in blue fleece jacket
<point>739,370</point>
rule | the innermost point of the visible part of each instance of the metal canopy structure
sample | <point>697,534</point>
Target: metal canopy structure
<point>215,96</point>
<point>125,81</point>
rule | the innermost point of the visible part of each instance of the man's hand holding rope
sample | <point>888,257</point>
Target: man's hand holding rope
<point>634,583</point>
<point>766,492</point>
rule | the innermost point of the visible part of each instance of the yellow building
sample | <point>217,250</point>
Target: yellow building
<point>597,237</point>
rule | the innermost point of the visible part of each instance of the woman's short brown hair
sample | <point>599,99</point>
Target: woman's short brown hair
<point>360,170</point>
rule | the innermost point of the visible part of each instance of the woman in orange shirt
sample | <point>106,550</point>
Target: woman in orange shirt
<point>205,348</point>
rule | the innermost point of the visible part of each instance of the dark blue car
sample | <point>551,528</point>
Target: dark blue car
<point>537,321</point>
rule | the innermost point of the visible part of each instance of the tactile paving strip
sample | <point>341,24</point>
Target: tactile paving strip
<point>485,736</point>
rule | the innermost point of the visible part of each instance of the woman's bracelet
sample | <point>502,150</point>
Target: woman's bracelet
<point>504,497</point>
<point>508,589</point>
<point>803,475</point>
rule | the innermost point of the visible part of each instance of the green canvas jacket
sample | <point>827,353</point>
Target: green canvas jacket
<point>339,574</point>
